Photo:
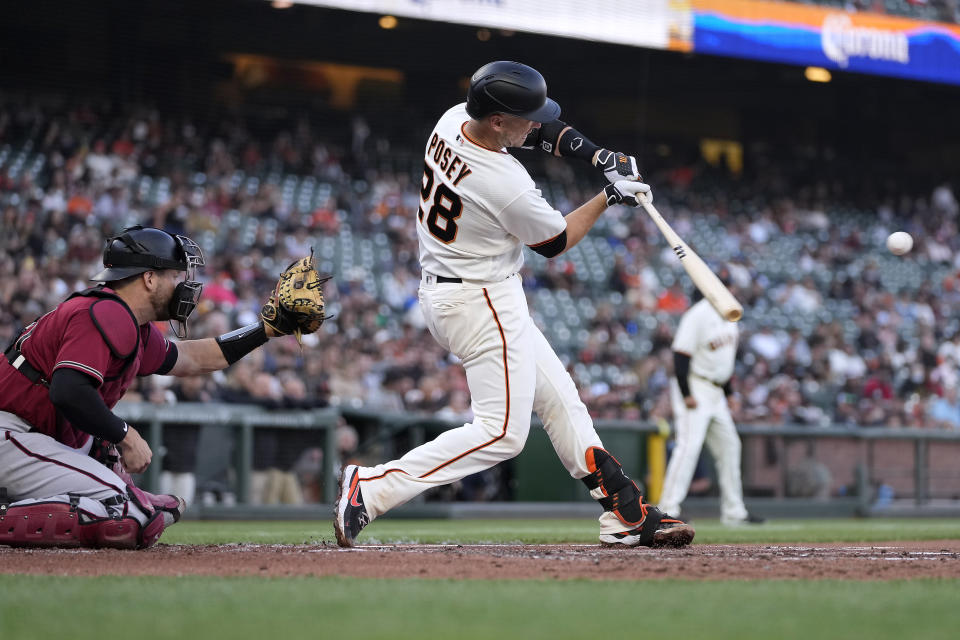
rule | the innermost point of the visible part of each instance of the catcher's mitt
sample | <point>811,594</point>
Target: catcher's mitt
<point>296,304</point>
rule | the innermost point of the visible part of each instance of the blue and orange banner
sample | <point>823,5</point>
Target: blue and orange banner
<point>786,32</point>
<point>827,37</point>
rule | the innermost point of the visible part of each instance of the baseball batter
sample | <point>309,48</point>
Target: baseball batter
<point>62,480</point>
<point>478,208</point>
<point>704,350</point>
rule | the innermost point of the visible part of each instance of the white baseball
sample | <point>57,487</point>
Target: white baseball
<point>899,242</point>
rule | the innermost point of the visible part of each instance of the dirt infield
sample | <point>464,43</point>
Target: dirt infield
<point>874,561</point>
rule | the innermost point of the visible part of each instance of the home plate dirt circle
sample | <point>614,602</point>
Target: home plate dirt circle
<point>874,561</point>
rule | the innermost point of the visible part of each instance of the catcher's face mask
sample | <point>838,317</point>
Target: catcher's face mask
<point>187,294</point>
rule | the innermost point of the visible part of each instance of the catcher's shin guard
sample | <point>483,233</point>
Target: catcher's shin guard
<point>40,524</point>
<point>172,506</point>
<point>74,522</point>
<point>620,495</point>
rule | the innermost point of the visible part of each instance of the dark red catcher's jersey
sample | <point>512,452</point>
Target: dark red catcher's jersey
<point>96,335</point>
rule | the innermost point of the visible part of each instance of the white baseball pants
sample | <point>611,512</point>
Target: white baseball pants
<point>709,422</point>
<point>511,370</point>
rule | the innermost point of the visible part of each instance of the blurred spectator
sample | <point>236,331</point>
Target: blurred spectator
<point>673,300</point>
<point>837,330</point>
<point>945,411</point>
<point>308,471</point>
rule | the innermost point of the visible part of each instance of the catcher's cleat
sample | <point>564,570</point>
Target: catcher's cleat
<point>349,515</point>
<point>171,506</point>
<point>657,530</point>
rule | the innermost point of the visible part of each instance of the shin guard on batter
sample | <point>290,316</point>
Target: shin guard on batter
<point>72,521</point>
<point>644,524</point>
<point>613,489</point>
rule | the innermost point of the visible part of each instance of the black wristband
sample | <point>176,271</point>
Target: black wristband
<point>242,341</point>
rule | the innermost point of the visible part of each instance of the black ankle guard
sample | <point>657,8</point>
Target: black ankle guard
<point>649,526</point>
<point>622,496</point>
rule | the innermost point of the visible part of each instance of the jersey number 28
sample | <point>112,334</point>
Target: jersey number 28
<point>446,205</point>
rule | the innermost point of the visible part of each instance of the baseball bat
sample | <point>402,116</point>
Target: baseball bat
<point>703,278</point>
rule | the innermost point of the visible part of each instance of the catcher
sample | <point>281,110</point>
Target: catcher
<point>64,455</point>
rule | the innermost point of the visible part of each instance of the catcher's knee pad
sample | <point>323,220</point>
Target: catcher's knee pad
<point>70,521</point>
<point>40,524</point>
<point>621,495</point>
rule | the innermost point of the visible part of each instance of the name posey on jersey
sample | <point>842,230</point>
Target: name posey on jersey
<point>441,154</point>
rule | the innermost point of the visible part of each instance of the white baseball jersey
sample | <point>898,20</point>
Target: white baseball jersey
<point>478,207</point>
<point>709,340</point>
<point>711,343</point>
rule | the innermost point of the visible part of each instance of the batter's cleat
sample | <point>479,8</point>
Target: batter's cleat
<point>349,514</point>
<point>738,522</point>
<point>657,530</point>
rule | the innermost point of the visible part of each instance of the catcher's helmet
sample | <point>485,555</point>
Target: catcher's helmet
<point>140,249</point>
<point>510,87</point>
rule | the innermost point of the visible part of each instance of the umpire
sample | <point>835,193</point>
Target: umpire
<point>64,373</point>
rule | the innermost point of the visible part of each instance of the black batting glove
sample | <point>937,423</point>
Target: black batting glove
<point>617,166</point>
<point>627,192</point>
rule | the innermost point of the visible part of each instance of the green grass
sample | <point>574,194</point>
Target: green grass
<point>582,530</point>
<point>41,607</point>
<point>35,607</point>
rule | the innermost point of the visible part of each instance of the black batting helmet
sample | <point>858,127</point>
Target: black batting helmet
<point>510,87</point>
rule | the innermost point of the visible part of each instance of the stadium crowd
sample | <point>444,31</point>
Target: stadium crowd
<point>828,339</point>
<point>935,10</point>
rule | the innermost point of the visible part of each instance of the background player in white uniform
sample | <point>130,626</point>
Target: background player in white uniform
<point>478,208</point>
<point>704,350</point>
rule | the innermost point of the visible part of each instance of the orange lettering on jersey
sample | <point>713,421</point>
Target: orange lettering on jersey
<point>438,152</point>
<point>452,167</point>
<point>464,172</point>
<point>722,341</point>
<point>446,159</point>
<point>433,143</point>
